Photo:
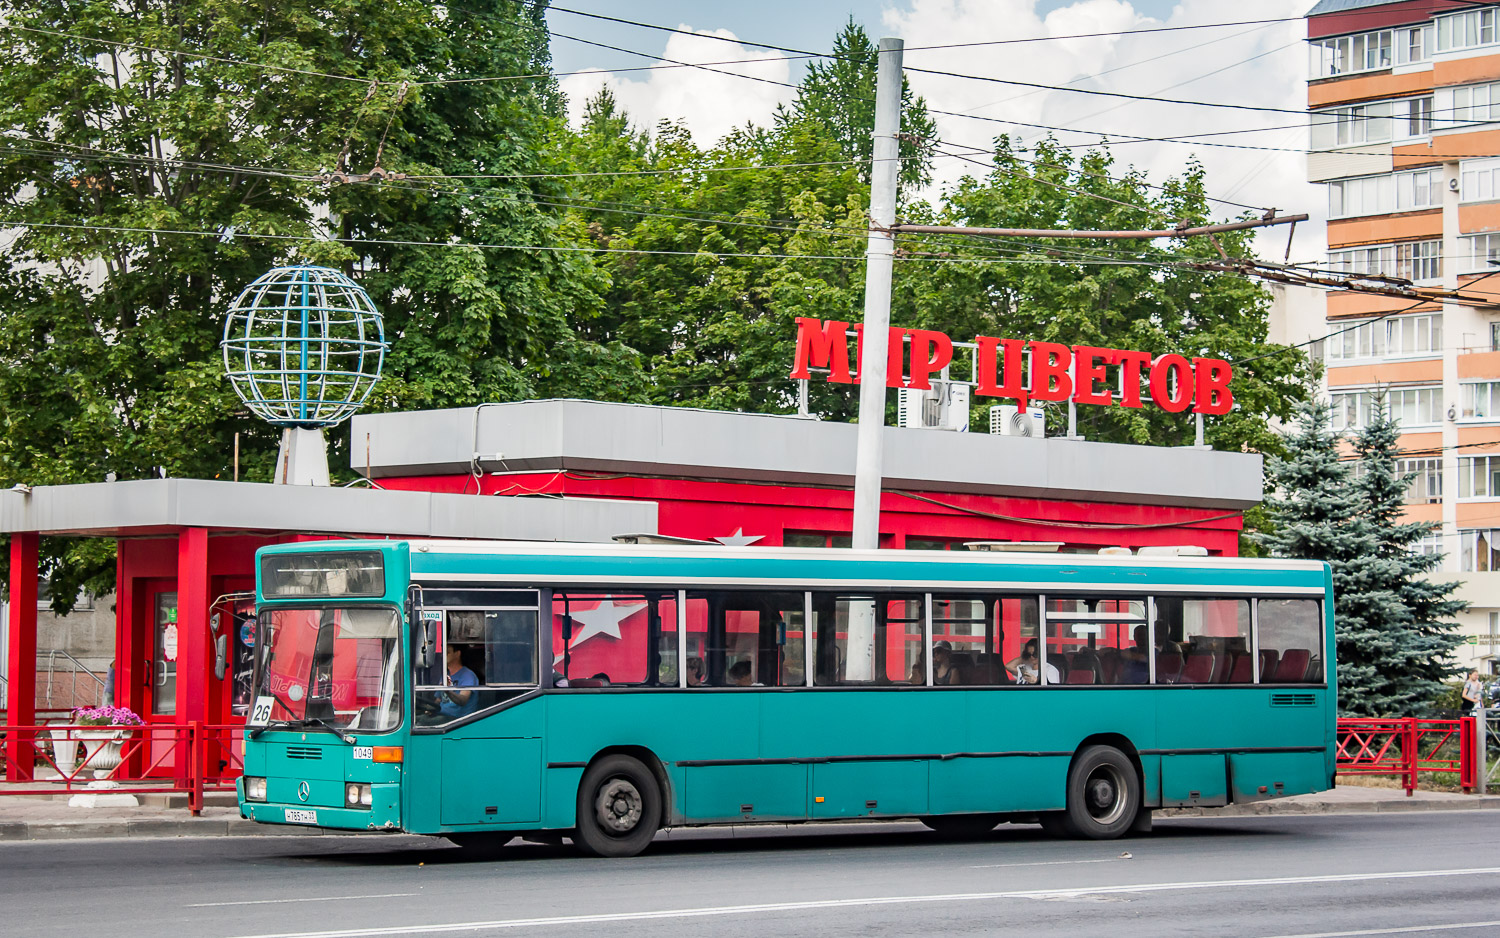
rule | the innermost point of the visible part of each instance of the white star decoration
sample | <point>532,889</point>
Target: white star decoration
<point>739,538</point>
<point>604,619</point>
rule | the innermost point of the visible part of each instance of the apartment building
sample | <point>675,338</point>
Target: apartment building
<point>1404,98</point>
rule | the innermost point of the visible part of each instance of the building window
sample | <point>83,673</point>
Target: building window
<point>1376,122</point>
<point>1477,180</point>
<point>1413,44</point>
<point>815,539</point>
<point>1426,486</point>
<point>1478,551</point>
<point>1495,337</point>
<point>1411,260</point>
<point>1381,195</point>
<point>1465,30</point>
<point>1345,55</point>
<point>1381,338</point>
<point>1479,477</point>
<point>1430,545</point>
<point>1481,399</point>
<point>1418,113</point>
<point>1411,407</point>
<point>1477,251</point>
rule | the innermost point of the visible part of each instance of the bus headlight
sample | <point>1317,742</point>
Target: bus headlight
<point>255,788</point>
<point>356,794</point>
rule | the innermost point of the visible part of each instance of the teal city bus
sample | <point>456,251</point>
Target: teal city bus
<point>482,691</point>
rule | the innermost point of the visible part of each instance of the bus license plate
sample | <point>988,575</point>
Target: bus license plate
<point>298,816</point>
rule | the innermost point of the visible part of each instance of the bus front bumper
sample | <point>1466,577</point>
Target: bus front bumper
<point>383,815</point>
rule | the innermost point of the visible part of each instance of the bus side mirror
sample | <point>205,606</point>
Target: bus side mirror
<point>221,655</point>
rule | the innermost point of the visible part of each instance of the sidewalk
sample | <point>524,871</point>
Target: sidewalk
<point>46,819</point>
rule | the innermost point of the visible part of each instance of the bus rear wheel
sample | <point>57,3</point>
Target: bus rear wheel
<point>1104,794</point>
<point>619,808</point>
<point>962,826</point>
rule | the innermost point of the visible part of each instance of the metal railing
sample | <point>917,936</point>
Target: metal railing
<point>78,668</point>
<point>1407,746</point>
<point>190,758</point>
<point>1487,747</point>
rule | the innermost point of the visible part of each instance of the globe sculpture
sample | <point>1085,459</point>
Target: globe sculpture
<point>303,348</point>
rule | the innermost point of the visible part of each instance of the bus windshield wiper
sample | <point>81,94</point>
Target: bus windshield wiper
<point>304,721</point>
<point>320,722</point>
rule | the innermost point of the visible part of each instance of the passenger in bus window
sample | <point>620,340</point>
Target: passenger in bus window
<point>739,673</point>
<point>1137,669</point>
<point>602,678</point>
<point>1028,666</point>
<point>695,672</point>
<point>455,701</point>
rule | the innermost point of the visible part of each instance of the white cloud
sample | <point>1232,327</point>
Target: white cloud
<point>1250,65</point>
<point>711,104</point>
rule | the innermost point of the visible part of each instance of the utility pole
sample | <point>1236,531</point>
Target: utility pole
<point>879,254</point>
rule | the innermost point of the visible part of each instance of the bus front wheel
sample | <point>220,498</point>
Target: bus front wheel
<point>619,808</point>
<point>1104,794</point>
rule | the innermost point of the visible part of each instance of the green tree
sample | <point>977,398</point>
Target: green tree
<point>838,97</point>
<point>1396,623</point>
<point>131,121</point>
<point>1392,625</point>
<point>1133,295</point>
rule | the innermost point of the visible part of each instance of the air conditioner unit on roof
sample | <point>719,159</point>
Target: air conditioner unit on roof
<point>1010,420</point>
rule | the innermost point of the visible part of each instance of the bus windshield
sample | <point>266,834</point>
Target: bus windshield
<point>336,666</point>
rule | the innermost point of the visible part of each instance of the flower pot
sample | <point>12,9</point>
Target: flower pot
<point>64,752</point>
<point>101,749</point>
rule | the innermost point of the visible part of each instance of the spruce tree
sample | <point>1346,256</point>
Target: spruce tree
<point>1396,623</point>
<point>1314,513</point>
<point>1393,628</point>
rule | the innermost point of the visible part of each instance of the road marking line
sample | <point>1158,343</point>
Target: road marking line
<point>996,866</point>
<point>1403,930</point>
<point>380,895</point>
<point>873,901</point>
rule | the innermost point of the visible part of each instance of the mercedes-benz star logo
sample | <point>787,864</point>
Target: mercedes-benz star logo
<point>303,790</point>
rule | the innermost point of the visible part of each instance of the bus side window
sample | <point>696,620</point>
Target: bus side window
<point>600,639</point>
<point>978,630</point>
<point>1290,638</point>
<point>865,639</point>
<point>510,637</point>
<point>745,638</point>
<point>1211,635</point>
<point>1098,640</point>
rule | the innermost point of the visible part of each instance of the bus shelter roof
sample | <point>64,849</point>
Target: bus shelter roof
<point>682,442</point>
<point>164,506</point>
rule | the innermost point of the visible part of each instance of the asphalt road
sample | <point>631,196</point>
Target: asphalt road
<point>1432,873</point>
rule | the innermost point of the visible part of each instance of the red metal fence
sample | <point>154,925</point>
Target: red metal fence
<point>157,758</point>
<point>1406,747</point>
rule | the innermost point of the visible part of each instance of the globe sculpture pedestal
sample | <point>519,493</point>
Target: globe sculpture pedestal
<point>303,347</point>
<point>303,457</point>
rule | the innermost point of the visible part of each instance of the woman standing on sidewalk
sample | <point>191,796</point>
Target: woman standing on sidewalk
<point>1471,693</point>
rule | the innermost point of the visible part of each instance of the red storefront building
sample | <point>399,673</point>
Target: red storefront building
<point>580,471</point>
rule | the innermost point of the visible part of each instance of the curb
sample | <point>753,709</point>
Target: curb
<point>24,831</point>
<point>1269,808</point>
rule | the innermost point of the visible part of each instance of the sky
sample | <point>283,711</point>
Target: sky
<point>1259,162</point>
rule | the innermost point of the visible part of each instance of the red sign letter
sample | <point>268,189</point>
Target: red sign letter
<point>822,345</point>
<point>1161,383</point>
<point>1088,368</point>
<point>1015,373</point>
<point>1212,376</point>
<point>1049,371</point>
<point>1131,364</point>
<point>930,351</point>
